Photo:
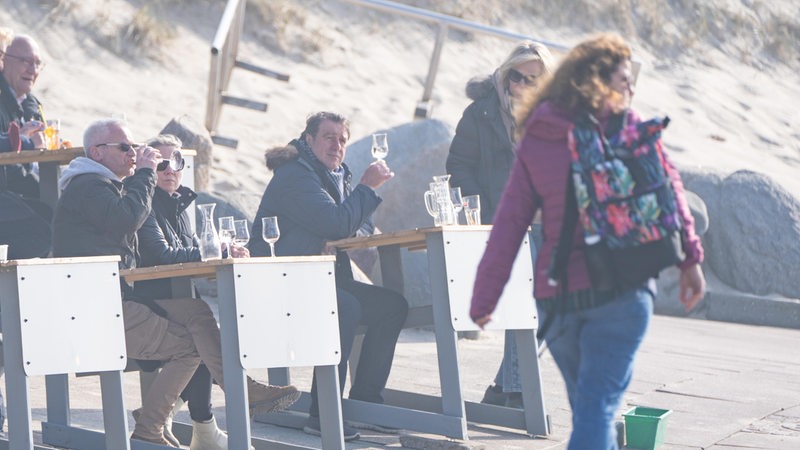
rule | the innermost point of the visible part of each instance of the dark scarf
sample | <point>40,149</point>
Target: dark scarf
<point>329,181</point>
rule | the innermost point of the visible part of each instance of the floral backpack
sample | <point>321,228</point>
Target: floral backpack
<point>620,191</point>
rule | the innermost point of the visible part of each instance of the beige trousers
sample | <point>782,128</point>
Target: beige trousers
<point>186,336</point>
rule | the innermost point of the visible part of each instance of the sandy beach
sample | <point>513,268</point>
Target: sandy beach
<point>733,103</point>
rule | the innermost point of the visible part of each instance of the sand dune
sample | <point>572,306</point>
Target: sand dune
<point>733,101</point>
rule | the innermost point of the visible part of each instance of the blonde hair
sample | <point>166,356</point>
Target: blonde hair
<point>525,51</point>
<point>581,81</point>
<point>6,35</point>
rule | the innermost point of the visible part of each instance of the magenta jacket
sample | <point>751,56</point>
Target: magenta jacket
<point>537,182</point>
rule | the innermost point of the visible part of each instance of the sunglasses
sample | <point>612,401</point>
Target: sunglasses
<point>516,76</point>
<point>122,146</point>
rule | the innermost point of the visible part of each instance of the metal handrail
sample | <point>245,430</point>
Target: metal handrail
<point>224,49</point>
<point>444,23</point>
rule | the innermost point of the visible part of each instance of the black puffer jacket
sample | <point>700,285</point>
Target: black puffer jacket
<point>309,209</point>
<point>481,153</point>
<point>166,238</point>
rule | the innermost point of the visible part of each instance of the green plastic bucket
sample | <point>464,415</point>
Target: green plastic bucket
<point>645,427</point>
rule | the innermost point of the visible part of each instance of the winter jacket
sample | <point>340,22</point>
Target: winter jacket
<point>166,238</point>
<point>481,153</point>
<point>309,209</point>
<point>18,178</point>
<point>538,180</point>
<point>97,214</point>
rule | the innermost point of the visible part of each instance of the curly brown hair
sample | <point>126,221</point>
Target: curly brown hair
<point>581,80</point>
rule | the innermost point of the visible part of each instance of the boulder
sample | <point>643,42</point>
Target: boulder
<point>756,248</point>
<point>753,240</point>
<point>417,152</point>
<point>194,136</point>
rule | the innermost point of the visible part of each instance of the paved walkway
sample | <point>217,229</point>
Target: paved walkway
<point>729,385</point>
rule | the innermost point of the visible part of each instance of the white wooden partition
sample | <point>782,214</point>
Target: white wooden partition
<point>63,316</point>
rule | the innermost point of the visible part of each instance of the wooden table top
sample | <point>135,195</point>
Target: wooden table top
<point>413,239</point>
<point>208,268</point>
<point>62,156</point>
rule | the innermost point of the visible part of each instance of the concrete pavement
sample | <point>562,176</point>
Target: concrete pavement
<point>729,386</point>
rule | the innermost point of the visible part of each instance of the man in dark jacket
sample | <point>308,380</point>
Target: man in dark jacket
<point>22,64</point>
<point>25,222</point>
<point>106,197</point>
<point>311,194</point>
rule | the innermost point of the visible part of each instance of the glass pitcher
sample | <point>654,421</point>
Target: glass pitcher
<point>439,195</point>
<point>210,246</point>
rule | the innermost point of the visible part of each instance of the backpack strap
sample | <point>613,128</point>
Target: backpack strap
<point>557,271</point>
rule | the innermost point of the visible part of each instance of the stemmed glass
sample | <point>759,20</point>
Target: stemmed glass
<point>242,232</point>
<point>458,201</point>
<point>227,233</point>
<point>270,232</point>
<point>176,161</point>
<point>380,146</point>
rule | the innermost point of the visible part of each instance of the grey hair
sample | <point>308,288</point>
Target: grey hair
<point>96,132</point>
<point>165,140</point>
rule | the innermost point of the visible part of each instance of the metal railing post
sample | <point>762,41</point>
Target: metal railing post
<point>424,107</point>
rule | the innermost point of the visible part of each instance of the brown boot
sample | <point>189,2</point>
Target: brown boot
<point>264,398</point>
<point>167,425</point>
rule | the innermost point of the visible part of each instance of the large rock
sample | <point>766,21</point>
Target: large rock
<point>417,152</point>
<point>753,241</point>
<point>194,136</point>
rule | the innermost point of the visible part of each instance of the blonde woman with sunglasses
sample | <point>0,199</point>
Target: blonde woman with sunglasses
<point>480,160</point>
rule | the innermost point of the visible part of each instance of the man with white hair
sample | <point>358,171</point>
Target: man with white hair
<point>106,197</point>
<point>22,64</point>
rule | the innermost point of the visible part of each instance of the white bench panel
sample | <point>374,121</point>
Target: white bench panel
<point>287,314</point>
<point>71,318</point>
<point>516,309</point>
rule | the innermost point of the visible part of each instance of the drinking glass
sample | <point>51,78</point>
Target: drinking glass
<point>51,131</point>
<point>242,232</point>
<point>270,232</point>
<point>472,209</point>
<point>176,161</point>
<point>458,201</point>
<point>380,146</point>
<point>227,233</point>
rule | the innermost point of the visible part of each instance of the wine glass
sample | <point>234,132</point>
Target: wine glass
<point>176,161</point>
<point>242,232</point>
<point>270,232</point>
<point>227,232</point>
<point>458,201</point>
<point>380,146</point>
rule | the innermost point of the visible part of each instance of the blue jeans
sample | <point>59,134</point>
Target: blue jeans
<point>508,373</point>
<point>594,349</point>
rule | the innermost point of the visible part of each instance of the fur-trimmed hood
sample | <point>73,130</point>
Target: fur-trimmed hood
<point>278,156</point>
<point>479,87</point>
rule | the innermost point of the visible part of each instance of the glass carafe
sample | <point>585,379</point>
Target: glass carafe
<point>440,196</point>
<point>210,247</point>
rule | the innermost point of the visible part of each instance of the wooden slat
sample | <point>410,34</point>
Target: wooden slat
<point>62,156</point>
<point>208,268</point>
